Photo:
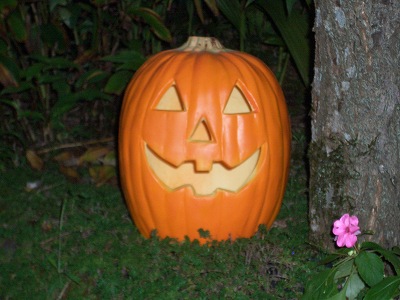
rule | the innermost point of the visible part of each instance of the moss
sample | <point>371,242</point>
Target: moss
<point>329,171</point>
<point>329,166</point>
<point>333,169</point>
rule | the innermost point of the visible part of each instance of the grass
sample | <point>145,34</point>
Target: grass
<point>66,240</point>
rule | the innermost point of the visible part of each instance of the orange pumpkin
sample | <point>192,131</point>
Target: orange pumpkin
<point>204,143</point>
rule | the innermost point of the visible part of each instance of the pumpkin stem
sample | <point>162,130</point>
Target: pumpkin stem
<point>199,43</point>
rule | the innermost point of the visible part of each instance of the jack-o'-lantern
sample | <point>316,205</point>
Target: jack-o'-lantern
<point>204,143</point>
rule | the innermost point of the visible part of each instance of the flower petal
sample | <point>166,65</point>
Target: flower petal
<point>345,219</point>
<point>340,241</point>
<point>354,221</point>
<point>350,240</point>
<point>346,230</point>
<point>354,229</point>
<point>338,230</point>
<point>338,223</point>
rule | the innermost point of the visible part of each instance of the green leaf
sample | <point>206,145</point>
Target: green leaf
<point>68,15</point>
<point>33,71</point>
<point>386,289</point>
<point>232,11</point>
<point>273,40</point>
<point>330,258</point>
<point>10,103</point>
<point>155,22</point>
<point>91,76</point>
<point>61,87</point>
<point>117,82</point>
<point>129,59</point>
<point>33,115</point>
<point>130,66</point>
<point>339,296</point>
<point>55,62</point>
<point>354,286</point>
<point>321,286</point>
<point>16,90</point>
<point>344,269</point>
<point>256,23</point>
<point>9,71</point>
<point>17,26</point>
<point>50,78</point>
<point>370,246</point>
<point>236,15</point>
<point>341,253</point>
<point>370,267</point>
<point>66,102</point>
<point>52,262</point>
<point>74,14</point>
<point>199,9</point>
<point>392,258</point>
<point>294,30</point>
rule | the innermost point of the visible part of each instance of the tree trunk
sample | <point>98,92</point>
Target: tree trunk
<point>354,153</point>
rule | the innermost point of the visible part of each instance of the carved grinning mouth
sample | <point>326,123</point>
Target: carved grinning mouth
<point>203,183</point>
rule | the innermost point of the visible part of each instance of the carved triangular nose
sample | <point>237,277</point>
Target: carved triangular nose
<point>201,132</point>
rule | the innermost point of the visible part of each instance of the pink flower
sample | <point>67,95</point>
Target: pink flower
<point>346,230</point>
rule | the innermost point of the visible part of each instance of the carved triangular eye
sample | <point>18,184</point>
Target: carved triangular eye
<point>170,101</point>
<point>237,103</point>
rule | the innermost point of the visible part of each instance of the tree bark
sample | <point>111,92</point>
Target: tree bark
<point>354,153</point>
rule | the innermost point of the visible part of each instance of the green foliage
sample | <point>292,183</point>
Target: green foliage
<point>294,29</point>
<point>62,62</point>
<point>236,14</point>
<point>355,272</point>
<point>367,261</point>
<point>385,289</point>
<point>330,168</point>
<point>257,25</point>
<point>292,23</point>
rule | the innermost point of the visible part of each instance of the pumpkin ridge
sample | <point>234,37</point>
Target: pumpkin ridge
<point>235,60</point>
<point>133,106</point>
<point>204,80</point>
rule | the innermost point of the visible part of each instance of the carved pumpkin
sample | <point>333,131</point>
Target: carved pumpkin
<point>204,143</point>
